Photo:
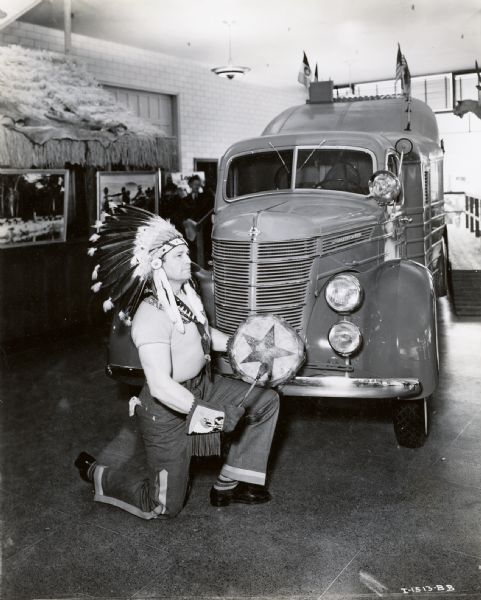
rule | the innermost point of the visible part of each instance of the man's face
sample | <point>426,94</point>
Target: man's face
<point>195,186</point>
<point>177,264</point>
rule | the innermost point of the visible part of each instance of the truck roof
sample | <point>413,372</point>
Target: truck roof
<point>386,115</point>
<point>375,142</point>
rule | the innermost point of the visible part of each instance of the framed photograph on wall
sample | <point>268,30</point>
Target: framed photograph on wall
<point>181,181</point>
<point>137,188</point>
<point>33,206</point>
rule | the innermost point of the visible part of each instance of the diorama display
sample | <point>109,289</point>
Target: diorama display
<point>136,188</point>
<point>33,206</point>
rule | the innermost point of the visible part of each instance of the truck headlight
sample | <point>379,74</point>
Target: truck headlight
<point>344,293</point>
<point>345,338</point>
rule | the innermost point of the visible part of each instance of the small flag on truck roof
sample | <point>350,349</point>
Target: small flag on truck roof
<point>304,76</point>
<point>402,73</point>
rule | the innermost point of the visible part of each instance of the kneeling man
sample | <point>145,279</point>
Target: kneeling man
<point>144,264</point>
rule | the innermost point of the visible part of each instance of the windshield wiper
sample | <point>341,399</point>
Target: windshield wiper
<point>280,158</point>
<point>313,150</point>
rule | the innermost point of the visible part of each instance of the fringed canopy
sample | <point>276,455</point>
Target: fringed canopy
<point>53,112</point>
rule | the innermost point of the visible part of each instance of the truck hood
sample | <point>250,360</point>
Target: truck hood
<point>277,217</point>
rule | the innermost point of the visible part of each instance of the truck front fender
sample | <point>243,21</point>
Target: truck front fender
<point>397,320</point>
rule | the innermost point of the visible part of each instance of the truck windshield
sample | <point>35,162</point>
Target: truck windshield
<point>260,172</point>
<point>317,168</point>
<point>328,169</point>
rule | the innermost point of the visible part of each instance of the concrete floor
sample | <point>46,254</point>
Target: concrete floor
<point>353,516</point>
<point>464,248</point>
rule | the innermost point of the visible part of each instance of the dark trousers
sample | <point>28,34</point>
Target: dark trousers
<point>168,449</point>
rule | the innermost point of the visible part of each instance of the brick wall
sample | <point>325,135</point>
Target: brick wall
<point>213,112</point>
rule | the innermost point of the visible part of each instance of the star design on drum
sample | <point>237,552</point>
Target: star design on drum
<point>265,352</point>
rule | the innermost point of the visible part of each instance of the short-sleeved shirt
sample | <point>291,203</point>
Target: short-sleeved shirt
<point>151,325</point>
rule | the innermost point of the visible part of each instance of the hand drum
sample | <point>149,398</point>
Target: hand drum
<point>265,350</point>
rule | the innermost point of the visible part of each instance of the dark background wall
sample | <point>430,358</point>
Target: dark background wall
<point>45,289</point>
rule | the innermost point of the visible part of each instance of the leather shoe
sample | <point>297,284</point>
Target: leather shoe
<point>83,463</point>
<point>243,493</point>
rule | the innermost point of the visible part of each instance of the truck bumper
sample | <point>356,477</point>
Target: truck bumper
<point>347,387</point>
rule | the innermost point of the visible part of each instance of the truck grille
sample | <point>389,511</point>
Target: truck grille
<point>261,278</point>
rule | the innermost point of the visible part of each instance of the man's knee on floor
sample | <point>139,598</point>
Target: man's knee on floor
<point>176,503</point>
<point>173,509</point>
<point>170,507</point>
<point>167,493</point>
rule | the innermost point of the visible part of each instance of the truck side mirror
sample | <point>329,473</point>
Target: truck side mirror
<point>384,187</point>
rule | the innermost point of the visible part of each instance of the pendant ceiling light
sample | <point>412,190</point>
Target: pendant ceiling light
<point>229,70</point>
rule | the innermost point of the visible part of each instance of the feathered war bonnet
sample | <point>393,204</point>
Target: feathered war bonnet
<point>128,246</point>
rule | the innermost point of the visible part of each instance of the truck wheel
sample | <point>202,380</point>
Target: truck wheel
<point>410,420</point>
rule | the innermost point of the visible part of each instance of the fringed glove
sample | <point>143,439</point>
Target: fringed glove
<point>208,418</point>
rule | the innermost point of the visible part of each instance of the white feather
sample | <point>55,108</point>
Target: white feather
<point>108,305</point>
<point>166,298</point>
<point>194,302</point>
<point>124,318</point>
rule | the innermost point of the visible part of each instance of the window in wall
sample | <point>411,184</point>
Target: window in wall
<point>159,109</point>
<point>465,86</point>
<point>435,90</point>
<point>376,88</point>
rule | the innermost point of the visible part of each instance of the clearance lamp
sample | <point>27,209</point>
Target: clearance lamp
<point>229,70</point>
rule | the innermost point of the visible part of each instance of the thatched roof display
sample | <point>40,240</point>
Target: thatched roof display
<point>52,112</point>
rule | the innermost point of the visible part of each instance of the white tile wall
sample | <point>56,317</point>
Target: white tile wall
<point>214,112</point>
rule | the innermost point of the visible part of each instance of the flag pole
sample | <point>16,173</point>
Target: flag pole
<point>404,75</point>
<point>408,110</point>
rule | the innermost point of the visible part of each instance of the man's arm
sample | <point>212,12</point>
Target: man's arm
<point>219,340</point>
<point>157,364</point>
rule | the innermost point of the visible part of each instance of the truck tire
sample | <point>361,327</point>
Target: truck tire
<point>410,420</point>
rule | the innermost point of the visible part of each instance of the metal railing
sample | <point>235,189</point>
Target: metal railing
<point>458,205</point>
<point>471,213</point>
